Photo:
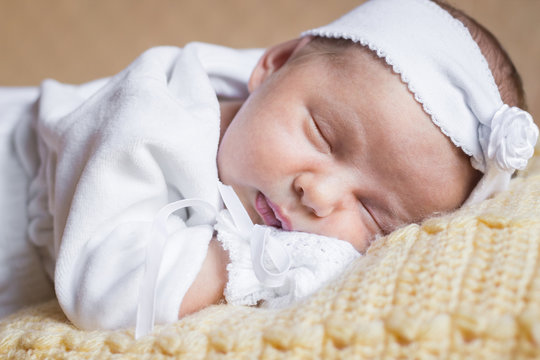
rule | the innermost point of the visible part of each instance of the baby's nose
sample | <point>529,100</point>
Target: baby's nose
<point>317,193</point>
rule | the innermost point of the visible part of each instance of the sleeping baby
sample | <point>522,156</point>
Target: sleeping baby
<point>206,174</point>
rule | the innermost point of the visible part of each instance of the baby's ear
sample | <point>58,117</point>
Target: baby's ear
<point>273,59</point>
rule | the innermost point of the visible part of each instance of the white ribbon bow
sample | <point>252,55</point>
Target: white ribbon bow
<point>260,242</point>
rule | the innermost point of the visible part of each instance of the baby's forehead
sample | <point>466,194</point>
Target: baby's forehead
<point>352,62</point>
<point>367,85</point>
<point>384,102</point>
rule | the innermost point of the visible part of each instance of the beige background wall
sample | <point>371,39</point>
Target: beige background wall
<point>79,40</point>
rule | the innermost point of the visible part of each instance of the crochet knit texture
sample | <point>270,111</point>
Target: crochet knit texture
<point>462,285</point>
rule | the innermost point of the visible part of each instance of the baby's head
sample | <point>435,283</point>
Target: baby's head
<point>333,140</point>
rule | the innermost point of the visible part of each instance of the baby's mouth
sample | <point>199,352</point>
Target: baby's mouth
<point>270,213</point>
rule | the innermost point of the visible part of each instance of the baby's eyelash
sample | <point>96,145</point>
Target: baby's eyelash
<point>381,229</point>
<point>320,135</point>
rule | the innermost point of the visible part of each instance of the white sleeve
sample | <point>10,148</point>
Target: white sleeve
<point>99,288</point>
<point>110,165</point>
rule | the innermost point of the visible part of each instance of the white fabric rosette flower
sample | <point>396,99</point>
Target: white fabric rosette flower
<point>507,144</point>
<point>509,141</point>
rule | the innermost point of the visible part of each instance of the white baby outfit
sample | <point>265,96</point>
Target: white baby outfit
<point>99,161</point>
<point>111,153</point>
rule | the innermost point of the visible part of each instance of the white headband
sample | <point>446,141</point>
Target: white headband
<point>445,70</point>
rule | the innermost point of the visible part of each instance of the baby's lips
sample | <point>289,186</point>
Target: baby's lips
<point>285,222</point>
<point>265,210</point>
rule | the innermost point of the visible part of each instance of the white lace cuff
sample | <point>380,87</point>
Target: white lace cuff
<point>292,266</point>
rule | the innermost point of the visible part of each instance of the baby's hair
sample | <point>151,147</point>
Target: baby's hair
<point>504,72</point>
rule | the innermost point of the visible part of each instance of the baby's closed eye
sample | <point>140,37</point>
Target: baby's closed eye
<point>372,218</point>
<point>317,136</point>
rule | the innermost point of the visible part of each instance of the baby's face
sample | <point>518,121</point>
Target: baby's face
<point>337,146</point>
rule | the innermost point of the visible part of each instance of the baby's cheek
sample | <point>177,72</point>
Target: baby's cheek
<point>350,229</point>
<point>359,239</point>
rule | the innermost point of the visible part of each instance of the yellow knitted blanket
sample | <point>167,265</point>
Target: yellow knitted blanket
<point>463,285</point>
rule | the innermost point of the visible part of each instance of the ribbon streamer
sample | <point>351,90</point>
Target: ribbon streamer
<point>154,254</point>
